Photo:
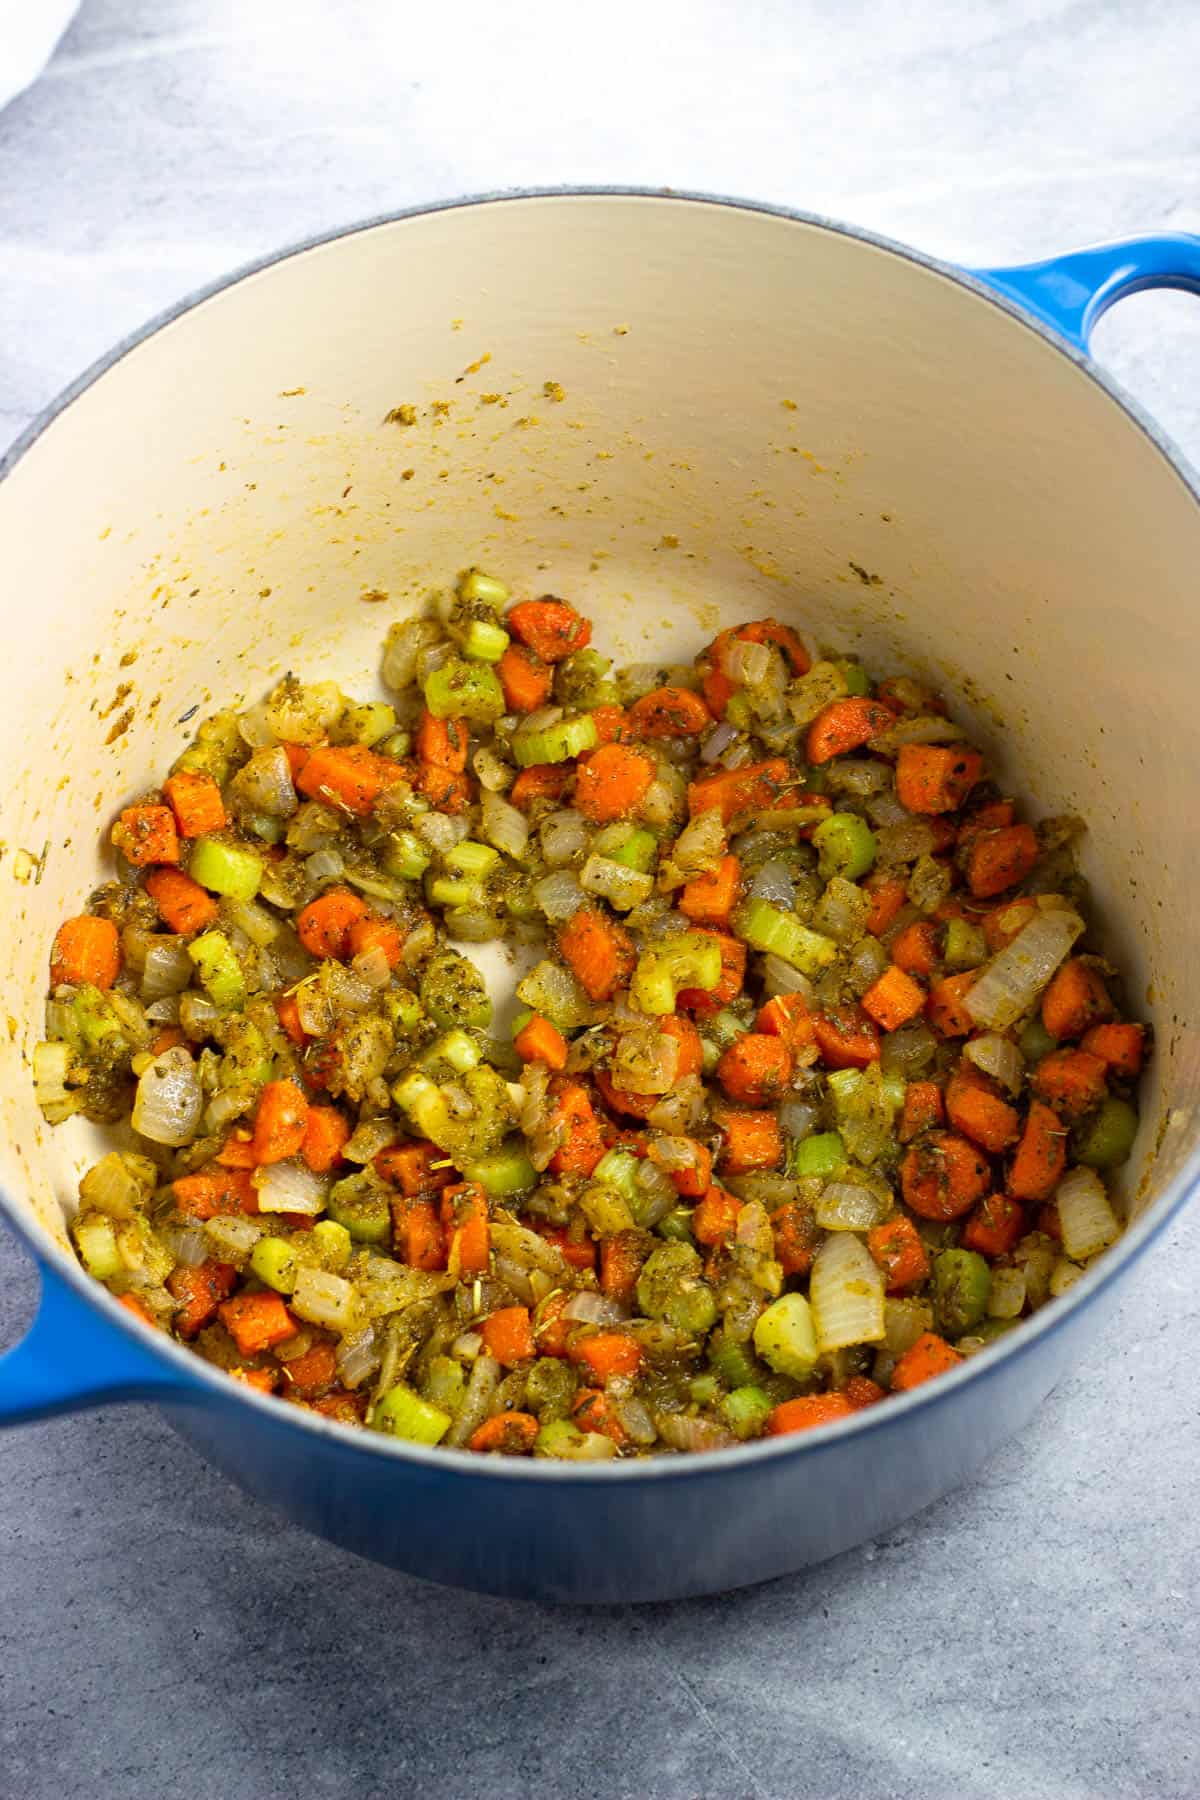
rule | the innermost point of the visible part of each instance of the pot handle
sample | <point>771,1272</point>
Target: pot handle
<point>1071,292</point>
<point>72,1357</point>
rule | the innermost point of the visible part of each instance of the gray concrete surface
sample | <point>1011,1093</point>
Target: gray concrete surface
<point>1037,1634</point>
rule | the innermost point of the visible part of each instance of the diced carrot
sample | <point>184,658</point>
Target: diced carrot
<point>280,1122</point>
<point>897,1248</point>
<point>349,776</point>
<point>165,1040</point>
<point>237,1152</point>
<point>931,1355</point>
<point>612,726</point>
<point>325,1137</point>
<point>147,834</point>
<point>998,859</point>
<point>861,1391</point>
<point>86,949</point>
<point>846,1038</point>
<point>621,1259</point>
<point>508,1335</point>
<point>718,691</point>
<point>552,1333</point>
<point>1001,924</point>
<point>138,1308</point>
<point>263,1381</point>
<point>417,1233</point>
<point>733,974</point>
<point>580,1252</point>
<point>975,1108</point>
<point>344,1408</point>
<point>324,925</point>
<point>806,1412</point>
<point>691,1048</point>
<point>445,791</point>
<point>443,742</point>
<point>1075,1000</point>
<point>922,1108</point>
<point>996,1225</point>
<point>932,778</point>
<point>287,1011</point>
<point>196,802</point>
<point>894,999</point>
<point>505,1434</point>
<point>183,904</point>
<point>256,1322</point>
<point>1041,1157</point>
<point>669,712</point>
<point>787,1016</point>
<point>1120,1046</point>
<point>887,895</point>
<point>770,631</point>
<point>200,1291</point>
<point>942,1176</point>
<point>617,1099</point>
<point>944,1009</point>
<point>746,790</point>
<point>465,1222</point>
<point>297,755</point>
<point>915,949</point>
<point>574,1123</point>
<point>592,1410</point>
<point>550,628</point>
<point>751,1140</point>
<point>544,781</point>
<point>214,1190</point>
<point>540,1041</point>
<point>1072,1080</point>
<point>607,1353</point>
<point>600,953</point>
<point>416,1169</point>
<point>796,1237</point>
<point>710,899</point>
<point>376,934</point>
<point>612,782</point>
<point>714,1220</point>
<point>755,1069</point>
<point>695,1178</point>
<point>312,1374</point>
<point>525,678</point>
<point>845,725</point>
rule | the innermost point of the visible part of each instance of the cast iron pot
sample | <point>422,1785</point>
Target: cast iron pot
<point>679,412</point>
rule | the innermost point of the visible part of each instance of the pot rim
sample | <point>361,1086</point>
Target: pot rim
<point>198,1377</point>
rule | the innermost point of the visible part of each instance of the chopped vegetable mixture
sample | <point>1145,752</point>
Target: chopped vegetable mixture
<point>815,1091</point>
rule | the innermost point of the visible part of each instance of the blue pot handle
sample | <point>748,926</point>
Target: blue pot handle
<point>1071,292</point>
<point>73,1357</point>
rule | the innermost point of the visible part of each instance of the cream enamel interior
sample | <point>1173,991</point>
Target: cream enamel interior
<point>752,414</point>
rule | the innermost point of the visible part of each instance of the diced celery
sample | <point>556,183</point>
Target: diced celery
<point>475,585</point>
<point>1106,1139</point>
<point>855,676</point>
<point>746,1411</point>
<point>404,1011</point>
<point>402,1413</point>
<point>424,1103</point>
<point>333,1244</point>
<point>471,859</point>
<point>504,1171</point>
<point>454,1052</point>
<point>405,855</point>
<point>483,642</point>
<point>368,722</point>
<point>561,1438</point>
<point>555,743</point>
<point>785,1337</point>
<point>766,927</point>
<point>96,1241</point>
<point>704,1389</point>
<point>677,1226</point>
<point>362,1207</point>
<point>445,1384</point>
<point>732,1361</point>
<point>822,1154</point>
<point>966,946</point>
<point>95,1019</point>
<point>636,848</point>
<point>689,960</point>
<point>1035,1041</point>
<point>219,970</point>
<point>845,845</point>
<point>464,690</point>
<point>225,868</point>
<point>962,1286</point>
<point>550,1388</point>
<point>396,744</point>
<point>618,1169</point>
<point>274,1261</point>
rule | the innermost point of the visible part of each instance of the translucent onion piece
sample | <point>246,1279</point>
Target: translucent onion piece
<point>1012,981</point>
<point>346,989</point>
<point>855,775</point>
<point>559,895</point>
<point>264,785</point>
<point>369,1138</point>
<point>495,776</point>
<point>503,826</point>
<point>797,1118</point>
<point>1088,1221</point>
<point>845,1206</point>
<point>232,1238</point>
<point>290,1187</point>
<point>743,662</point>
<point>905,842</point>
<point>774,882</point>
<point>1063,1275</point>
<point>926,730</point>
<point>168,968</point>
<point>622,887</point>
<point>187,1244</point>
<point>403,645</point>
<point>440,831</point>
<point>477,1401</point>
<point>590,1308</point>
<point>304,712</point>
<point>645,1061</point>
<point>169,1103</point>
<point>313,1009</point>
<point>700,843</point>
<point>467,1346</point>
<point>684,1433</point>
<point>564,837</point>
<point>372,968</point>
<point>325,865</point>
<point>716,744</point>
<point>358,1357</point>
<point>846,1294</point>
<point>1007,1297</point>
<point>514,1278</point>
<point>998,1057</point>
<point>780,978</point>
<point>254,728</point>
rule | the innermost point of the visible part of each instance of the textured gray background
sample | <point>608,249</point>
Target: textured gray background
<point>1037,1634</point>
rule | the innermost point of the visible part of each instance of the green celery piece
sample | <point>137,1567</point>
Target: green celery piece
<point>225,868</point>
<point>361,1208</point>
<point>219,970</point>
<point>639,851</point>
<point>555,743</point>
<point>1106,1139</point>
<point>618,1169</point>
<point>464,690</point>
<point>561,1438</point>
<point>767,927</point>
<point>369,722</point>
<point>688,960</point>
<point>822,1154</point>
<point>504,1171</point>
<point>855,676</point>
<point>402,1413</point>
<point>96,1241</point>
<point>786,1339</point>
<point>962,1286</point>
<point>333,1244</point>
<point>475,585</point>
<point>274,1261</point>
<point>95,1019</point>
<point>475,861</point>
<point>455,1050</point>
<point>405,856</point>
<point>746,1410</point>
<point>483,642</point>
<point>966,946</point>
<point>845,845</point>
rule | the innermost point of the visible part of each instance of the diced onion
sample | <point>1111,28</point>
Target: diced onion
<point>467,1346</point>
<point>187,1244</point>
<point>780,978</point>
<point>264,785</point>
<point>495,776</point>
<point>998,1057</point>
<point>358,1357</point>
<point>905,842</point>
<point>744,662</point>
<point>716,744</point>
<point>797,1118</point>
<point>559,895</point>
<point>232,1237</point>
<point>369,1138</point>
<point>325,865</point>
<point>254,727</point>
<point>404,643</point>
<point>845,1206</point>
<point>682,1109</point>
<point>846,1294</point>
<point>930,729</point>
<point>347,991</point>
<point>290,1187</point>
<point>1012,981</point>
<point>591,1308</point>
<point>622,887</point>
<point>553,990</point>
<point>564,837</point>
<point>168,1105</point>
<point>1088,1221</point>
<point>477,1401</point>
<point>858,775</point>
<point>440,831</point>
<point>684,1433</point>
<point>168,968</point>
<point>372,968</point>
<point>1006,1300</point>
<point>700,843</point>
<point>774,882</point>
<point>503,826</point>
<point>1063,1275</point>
<point>907,1051</point>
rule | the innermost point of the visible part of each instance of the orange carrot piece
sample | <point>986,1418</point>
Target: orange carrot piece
<point>751,1140</point>
<point>888,894</point>
<point>894,999</point>
<point>505,1434</point>
<point>710,899</point>
<point>922,1108</point>
<point>183,904</point>
<point>256,1322</point>
<point>733,974</point>
<point>845,725</point>
<point>574,1123</point>
<point>196,802</point>
<point>669,712</point>
<point>747,790</point>
<point>445,791</point>
<point>931,1355</point>
<point>600,954</point>
<point>416,1169</point>
<point>998,859</point>
<point>237,1152</point>
<point>896,1246</point>
<point>325,1137</point>
<point>552,1333</point>
<point>796,1237</point>
<point>944,1009</point>
<point>349,776</point>
<point>932,778</point>
<point>540,1041</point>
<point>263,1381</point>
<point>544,781</point>
<point>787,1016</point>
<point>1041,1158</point>
<point>376,934</point>
<point>755,1069</point>
<point>132,1304</point>
<point>1072,1080</point>
<point>975,1108</point>
<point>1075,1000</point>
<point>443,742</point>
<point>465,1222</point>
<point>580,1252</point>
<point>280,1122</point>
<point>200,1291</point>
<point>344,1408</point>
<point>86,949</point>
<point>612,782</point>
<point>861,1391</point>
<point>996,1225</point>
<point>846,1038</point>
<point>324,925</point>
<point>696,1178</point>
<point>942,1176</point>
<point>617,1099</point>
<point>214,1190</point>
<point>147,834</point>
<point>417,1233</point>
<point>1120,1046</point>
<point>714,1220</point>
<point>508,1335</point>
<point>770,631</point>
<point>612,726</point>
<point>287,1011</point>
<point>806,1412</point>
<point>550,628</point>
<point>621,1259</point>
<point>718,691</point>
<point>525,678</point>
<point>915,949</point>
<point>312,1374</point>
<point>607,1353</point>
<point>592,1410</point>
